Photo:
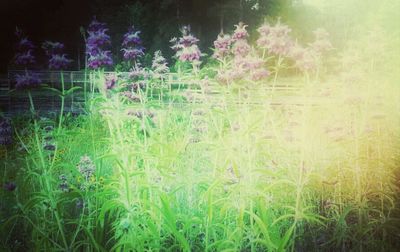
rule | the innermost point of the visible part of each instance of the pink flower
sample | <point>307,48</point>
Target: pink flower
<point>241,48</point>
<point>240,32</point>
<point>186,48</point>
<point>222,46</point>
<point>275,39</point>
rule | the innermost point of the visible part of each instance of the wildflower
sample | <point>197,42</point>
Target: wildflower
<point>5,132</point>
<point>240,32</point>
<point>10,186</point>
<point>132,44</point>
<point>186,48</point>
<point>275,39</point>
<point>110,81</point>
<point>24,55</point>
<point>222,46</point>
<point>101,59</point>
<point>86,167</point>
<point>240,46</point>
<point>159,65</point>
<point>58,62</point>
<point>54,50</point>
<point>96,45</point>
<point>64,183</point>
<point>25,44</point>
<point>24,58</point>
<point>27,80</point>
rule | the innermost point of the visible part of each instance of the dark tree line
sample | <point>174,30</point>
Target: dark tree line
<point>159,21</point>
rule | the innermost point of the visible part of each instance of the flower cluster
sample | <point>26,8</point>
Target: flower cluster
<point>54,50</point>
<point>25,47</point>
<point>64,187</point>
<point>245,63</point>
<point>110,81</point>
<point>27,80</point>
<point>240,46</point>
<point>6,137</point>
<point>222,46</point>
<point>186,48</point>
<point>96,45</point>
<point>86,167</point>
<point>159,65</point>
<point>275,39</point>
<point>132,45</point>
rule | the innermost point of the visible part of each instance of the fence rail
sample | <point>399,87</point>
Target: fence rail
<point>12,102</point>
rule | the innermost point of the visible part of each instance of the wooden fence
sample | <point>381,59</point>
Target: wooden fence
<point>13,101</point>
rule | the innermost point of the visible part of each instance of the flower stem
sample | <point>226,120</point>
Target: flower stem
<point>62,102</point>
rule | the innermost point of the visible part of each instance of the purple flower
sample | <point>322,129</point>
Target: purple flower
<point>96,25</point>
<point>98,38</point>
<point>58,62</point>
<point>96,44</point>
<point>188,40</point>
<point>101,59</point>
<point>27,81</point>
<point>186,48</point>
<point>132,53</point>
<point>240,48</point>
<point>86,167</point>
<point>249,63</point>
<point>240,32</point>
<point>10,186</point>
<point>25,47</point>
<point>25,44</point>
<point>64,187</point>
<point>190,54</point>
<point>222,46</point>
<point>132,45</point>
<point>24,58</point>
<point>6,137</point>
<point>132,37</point>
<point>111,80</point>
<point>275,39</point>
